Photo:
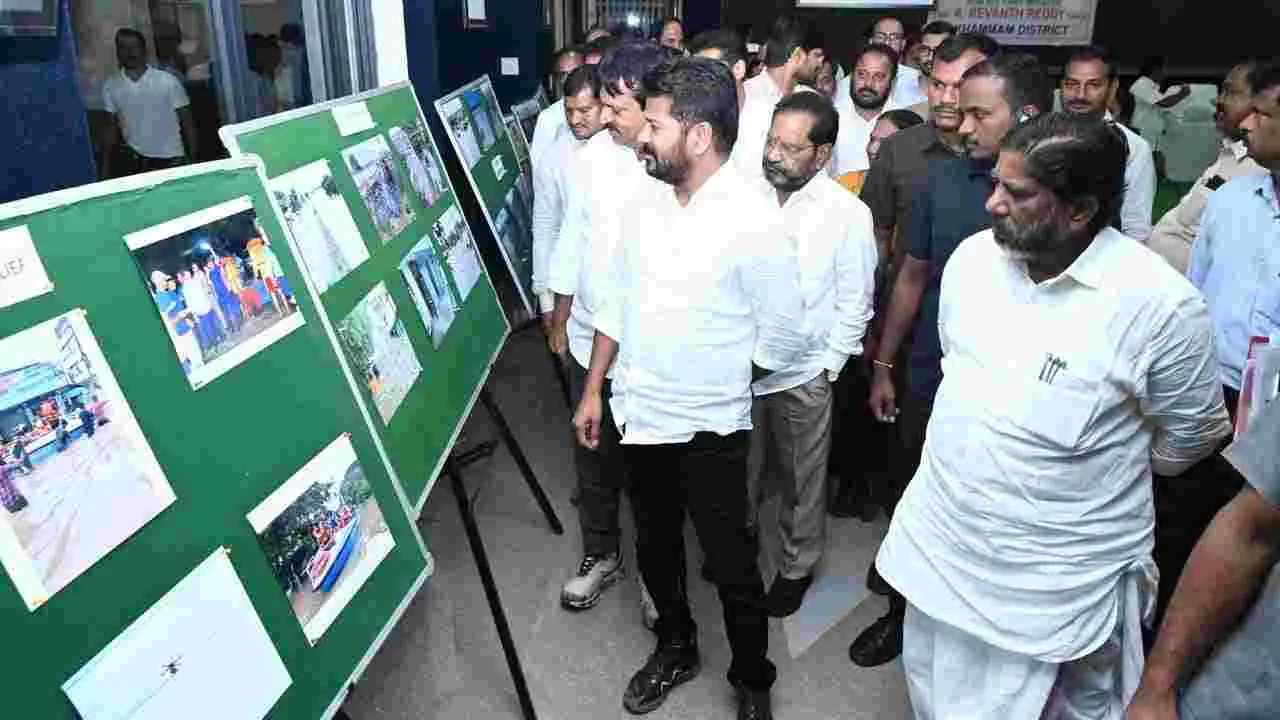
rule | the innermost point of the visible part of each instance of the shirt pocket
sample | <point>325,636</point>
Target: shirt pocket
<point>1055,414</point>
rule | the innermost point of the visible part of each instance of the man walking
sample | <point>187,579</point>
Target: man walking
<point>791,414</point>
<point>1074,367</point>
<point>704,297</point>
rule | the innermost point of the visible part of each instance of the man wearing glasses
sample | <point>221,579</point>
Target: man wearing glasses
<point>907,89</point>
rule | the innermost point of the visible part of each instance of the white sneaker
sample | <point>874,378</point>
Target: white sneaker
<point>649,611</point>
<point>594,575</point>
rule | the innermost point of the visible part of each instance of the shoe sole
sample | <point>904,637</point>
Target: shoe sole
<point>588,603</point>
<point>679,680</point>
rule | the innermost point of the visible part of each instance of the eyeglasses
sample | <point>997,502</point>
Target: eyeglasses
<point>887,38</point>
<point>789,150</point>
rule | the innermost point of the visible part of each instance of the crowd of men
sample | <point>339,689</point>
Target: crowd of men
<point>738,259</point>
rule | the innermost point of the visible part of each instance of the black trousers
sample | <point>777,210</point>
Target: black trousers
<point>706,479</point>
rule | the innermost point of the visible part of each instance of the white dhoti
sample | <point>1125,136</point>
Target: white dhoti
<point>952,675</point>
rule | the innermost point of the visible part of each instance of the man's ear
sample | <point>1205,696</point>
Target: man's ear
<point>1082,212</point>
<point>824,155</point>
<point>740,70</point>
<point>700,139</point>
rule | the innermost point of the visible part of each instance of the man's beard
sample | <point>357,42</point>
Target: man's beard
<point>868,99</point>
<point>779,178</point>
<point>1045,243</point>
<point>671,172</point>
<point>1080,107</point>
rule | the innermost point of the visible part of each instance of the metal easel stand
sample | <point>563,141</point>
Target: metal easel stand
<point>562,375</point>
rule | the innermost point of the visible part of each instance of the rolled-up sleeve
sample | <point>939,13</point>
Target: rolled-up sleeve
<point>1183,396</point>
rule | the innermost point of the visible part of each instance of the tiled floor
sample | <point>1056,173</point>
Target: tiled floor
<point>444,661</point>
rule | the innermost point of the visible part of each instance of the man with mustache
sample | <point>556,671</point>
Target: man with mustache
<point>705,296</point>
<point>1172,236</point>
<point>791,413</point>
<point>550,123</point>
<point>603,177</point>
<point>1089,84</point>
<point>1075,366</point>
<point>792,57</point>
<point>874,69</point>
<point>996,96</point>
<point>550,186</point>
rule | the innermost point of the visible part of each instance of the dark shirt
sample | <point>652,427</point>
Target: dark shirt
<point>950,205</point>
<point>896,172</point>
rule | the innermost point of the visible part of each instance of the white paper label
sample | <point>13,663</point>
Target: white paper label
<point>499,168</point>
<point>510,66</point>
<point>22,275</point>
<point>352,118</point>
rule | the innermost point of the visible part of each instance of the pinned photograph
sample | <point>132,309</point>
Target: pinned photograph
<point>519,254</point>
<point>460,127</point>
<point>428,282</point>
<point>384,195</point>
<point>324,535</point>
<point>482,117</point>
<point>519,143</point>
<point>320,221</point>
<point>77,477</point>
<point>413,142</point>
<point>453,237</point>
<point>181,658</point>
<point>216,279</point>
<point>375,340</point>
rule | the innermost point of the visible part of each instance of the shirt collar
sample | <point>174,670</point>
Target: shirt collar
<point>1265,187</point>
<point>1093,265</point>
<point>1236,148</point>
<point>810,191</point>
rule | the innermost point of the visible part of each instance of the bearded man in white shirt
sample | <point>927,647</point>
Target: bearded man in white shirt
<point>791,414</point>
<point>706,295</point>
<point>874,69</point>
<point>602,178</point>
<point>792,57</point>
<point>1076,363</point>
<point>550,181</point>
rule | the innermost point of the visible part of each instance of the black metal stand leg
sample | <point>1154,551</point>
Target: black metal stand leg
<point>342,715</point>
<point>521,461</point>
<point>490,590</point>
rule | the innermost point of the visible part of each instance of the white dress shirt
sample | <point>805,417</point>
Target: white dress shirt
<point>907,89</point>
<point>1139,186</point>
<point>550,124</point>
<point>851,142</point>
<point>147,111</point>
<point>602,177</point>
<point>836,251</point>
<point>702,292</point>
<point>1029,524</point>
<point>550,193</point>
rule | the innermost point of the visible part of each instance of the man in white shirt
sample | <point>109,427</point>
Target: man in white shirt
<point>1176,231</point>
<point>1076,363</point>
<point>550,123</point>
<point>151,112</point>
<point>1088,84</point>
<point>793,56</point>
<point>603,176</point>
<point>728,47</point>
<point>550,182</point>
<point>705,294</point>
<point>874,69</point>
<point>791,415</point>
<point>908,87</point>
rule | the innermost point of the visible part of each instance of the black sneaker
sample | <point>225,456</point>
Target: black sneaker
<point>670,665</point>
<point>753,704</point>
<point>786,595</point>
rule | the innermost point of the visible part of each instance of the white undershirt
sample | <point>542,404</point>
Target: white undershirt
<point>147,111</point>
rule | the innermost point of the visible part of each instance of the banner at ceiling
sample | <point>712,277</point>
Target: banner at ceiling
<point>1023,22</point>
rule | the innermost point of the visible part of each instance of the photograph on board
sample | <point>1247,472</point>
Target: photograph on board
<point>453,237</point>
<point>385,196</point>
<point>515,247</point>
<point>428,283</point>
<point>375,340</point>
<point>179,658</point>
<point>323,534</point>
<point>519,143</point>
<point>320,221</point>
<point>216,279</point>
<point>77,477</point>
<point>461,130</point>
<point>482,117</point>
<point>419,154</point>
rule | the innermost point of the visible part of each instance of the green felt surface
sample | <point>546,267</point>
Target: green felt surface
<point>224,448</point>
<point>421,429</point>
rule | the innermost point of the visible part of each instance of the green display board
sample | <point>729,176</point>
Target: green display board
<point>393,225</point>
<point>224,447</point>
<point>473,121</point>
